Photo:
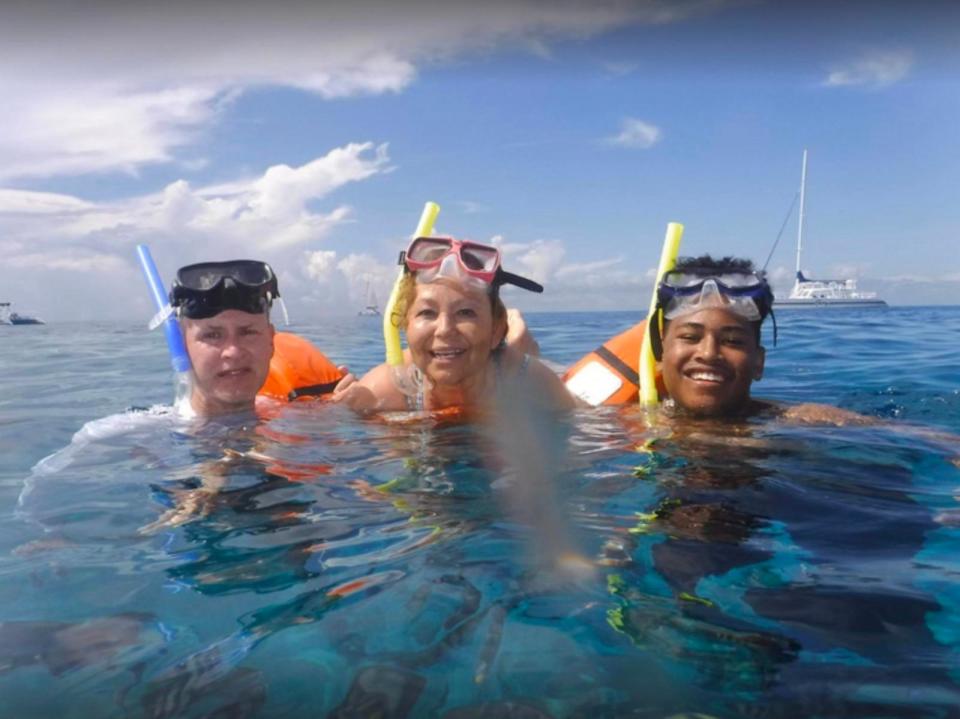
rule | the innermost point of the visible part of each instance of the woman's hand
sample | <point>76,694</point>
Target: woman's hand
<point>518,337</point>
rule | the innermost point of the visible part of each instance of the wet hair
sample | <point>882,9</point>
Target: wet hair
<point>407,294</point>
<point>707,266</point>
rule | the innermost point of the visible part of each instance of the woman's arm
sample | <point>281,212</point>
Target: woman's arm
<point>537,383</point>
<point>376,391</point>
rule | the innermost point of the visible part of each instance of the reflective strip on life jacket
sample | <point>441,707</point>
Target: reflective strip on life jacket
<point>609,374</point>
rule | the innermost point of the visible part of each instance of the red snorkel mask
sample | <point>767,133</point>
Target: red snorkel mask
<point>470,262</point>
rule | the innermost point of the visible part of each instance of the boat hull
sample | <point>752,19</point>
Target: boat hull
<point>826,302</point>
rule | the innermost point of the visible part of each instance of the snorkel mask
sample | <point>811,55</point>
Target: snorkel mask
<point>471,263</point>
<point>683,292</point>
<point>206,289</point>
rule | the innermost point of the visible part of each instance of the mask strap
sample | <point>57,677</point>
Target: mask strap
<point>283,307</point>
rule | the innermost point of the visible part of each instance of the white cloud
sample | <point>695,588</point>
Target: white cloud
<point>319,265</point>
<point>609,283</point>
<point>875,69</point>
<point>908,279</point>
<point>845,270</point>
<point>469,207</point>
<point>284,189</point>
<point>116,87</point>
<point>270,217</point>
<point>94,128</point>
<point>538,260</point>
<point>70,261</point>
<point>367,279</point>
<point>39,203</point>
<point>636,134</point>
<point>781,275</point>
<point>586,269</point>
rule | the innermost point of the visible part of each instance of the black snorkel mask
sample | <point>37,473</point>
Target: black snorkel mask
<point>680,292</point>
<point>208,288</point>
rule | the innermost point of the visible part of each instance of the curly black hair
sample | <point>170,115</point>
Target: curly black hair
<point>707,265</point>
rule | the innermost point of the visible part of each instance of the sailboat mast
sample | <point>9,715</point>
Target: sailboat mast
<point>803,187</point>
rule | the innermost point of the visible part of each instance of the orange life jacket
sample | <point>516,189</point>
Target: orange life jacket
<point>609,374</point>
<point>299,370</point>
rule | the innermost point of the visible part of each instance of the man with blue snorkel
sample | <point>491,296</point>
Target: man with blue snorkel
<point>224,313</point>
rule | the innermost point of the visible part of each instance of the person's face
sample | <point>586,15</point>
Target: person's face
<point>710,358</point>
<point>451,332</point>
<point>230,354</point>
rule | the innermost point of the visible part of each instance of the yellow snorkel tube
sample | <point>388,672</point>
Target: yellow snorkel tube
<point>648,365</point>
<point>391,328</point>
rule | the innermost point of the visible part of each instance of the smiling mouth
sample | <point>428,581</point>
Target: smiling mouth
<point>447,354</point>
<point>230,373</point>
<point>709,376</point>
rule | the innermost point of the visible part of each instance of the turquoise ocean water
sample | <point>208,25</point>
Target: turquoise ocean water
<point>348,567</point>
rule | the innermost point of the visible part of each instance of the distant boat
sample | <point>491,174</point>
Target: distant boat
<point>822,293</point>
<point>372,308</point>
<point>8,317</point>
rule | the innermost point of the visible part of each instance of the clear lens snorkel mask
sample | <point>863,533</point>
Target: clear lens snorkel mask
<point>208,288</point>
<point>680,293</point>
<point>746,294</point>
<point>474,264</point>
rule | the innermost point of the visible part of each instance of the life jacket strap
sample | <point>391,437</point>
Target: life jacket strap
<point>313,390</point>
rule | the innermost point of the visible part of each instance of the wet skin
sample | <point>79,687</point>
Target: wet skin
<point>710,359</point>
<point>230,354</point>
<point>451,333</point>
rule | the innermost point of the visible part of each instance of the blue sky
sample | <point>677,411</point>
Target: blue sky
<point>570,133</point>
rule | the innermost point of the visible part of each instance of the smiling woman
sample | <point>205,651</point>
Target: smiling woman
<point>456,325</point>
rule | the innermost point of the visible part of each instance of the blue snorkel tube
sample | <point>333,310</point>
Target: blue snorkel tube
<point>171,328</point>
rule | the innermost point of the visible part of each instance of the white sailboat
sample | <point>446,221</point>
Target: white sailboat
<point>822,293</point>
<point>372,308</point>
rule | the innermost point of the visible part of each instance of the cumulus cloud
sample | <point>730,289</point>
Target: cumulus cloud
<point>875,69</point>
<point>367,279</point>
<point>95,127</point>
<point>319,265</point>
<point>116,87</point>
<point>604,284</point>
<point>272,217</point>
<point>538,260</point>
<point>636,134</point>
<point>25,202</point>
